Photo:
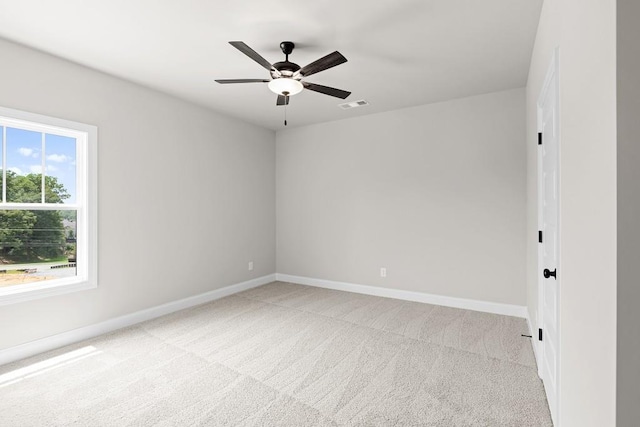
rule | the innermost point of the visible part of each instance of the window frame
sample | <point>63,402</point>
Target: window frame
<point>86,205</point>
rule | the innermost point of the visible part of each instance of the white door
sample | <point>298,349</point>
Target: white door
<point>548,200</point>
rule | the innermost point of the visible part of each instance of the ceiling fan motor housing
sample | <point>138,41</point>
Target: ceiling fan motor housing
<point>285,69</point>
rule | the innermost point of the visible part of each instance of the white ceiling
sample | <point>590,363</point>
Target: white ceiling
<point>400,53</point>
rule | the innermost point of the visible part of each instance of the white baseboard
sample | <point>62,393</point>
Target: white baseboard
<point>49,343</point>
<point>468,304</point>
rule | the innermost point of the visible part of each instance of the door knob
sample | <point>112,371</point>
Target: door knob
<point>547,273</point>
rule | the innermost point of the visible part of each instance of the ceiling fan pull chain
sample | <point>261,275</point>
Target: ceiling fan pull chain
<point>286,102</point>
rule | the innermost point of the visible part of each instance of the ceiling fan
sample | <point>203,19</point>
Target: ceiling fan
<point>286,77</point>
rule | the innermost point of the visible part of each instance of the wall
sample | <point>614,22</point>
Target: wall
<point>186,196</point>
<point>584,31</point>
<point>628,71</point>
<point>436,194</point>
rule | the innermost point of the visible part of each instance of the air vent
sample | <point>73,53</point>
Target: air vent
<point>354,104</point>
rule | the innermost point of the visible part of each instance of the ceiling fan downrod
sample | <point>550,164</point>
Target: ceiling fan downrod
<point>287,48</point>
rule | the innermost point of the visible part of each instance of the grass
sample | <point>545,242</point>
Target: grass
<point>63,258</point>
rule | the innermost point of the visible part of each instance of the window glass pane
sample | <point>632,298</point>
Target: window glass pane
<point>36,245</point>
<point>60,165</point>
<point>24,166</point>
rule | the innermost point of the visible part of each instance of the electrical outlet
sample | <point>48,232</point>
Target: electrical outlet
<point>383,272</point>
<point>250,267</point>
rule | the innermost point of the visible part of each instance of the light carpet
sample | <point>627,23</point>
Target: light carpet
<point>289,355</point>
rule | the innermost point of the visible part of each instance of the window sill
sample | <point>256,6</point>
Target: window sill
<point>33,291</point>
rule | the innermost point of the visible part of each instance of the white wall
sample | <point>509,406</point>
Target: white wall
<point>585,32</point>
<point>436,194</point>
<point>628,71</point>
<point>186,196</point>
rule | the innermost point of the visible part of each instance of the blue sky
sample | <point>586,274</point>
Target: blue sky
<point>24,156</point>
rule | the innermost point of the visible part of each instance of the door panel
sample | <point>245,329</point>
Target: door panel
<point>548,253</point>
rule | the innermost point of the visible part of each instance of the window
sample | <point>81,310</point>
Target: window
<point>48,186</point>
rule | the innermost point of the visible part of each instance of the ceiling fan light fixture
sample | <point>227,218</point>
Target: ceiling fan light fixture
<point>285,86</point>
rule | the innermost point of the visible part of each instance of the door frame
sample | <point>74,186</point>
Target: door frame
<point>551,76</point>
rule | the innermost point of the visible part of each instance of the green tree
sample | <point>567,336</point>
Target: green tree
<point>16,228</point>
<point>28,236</point>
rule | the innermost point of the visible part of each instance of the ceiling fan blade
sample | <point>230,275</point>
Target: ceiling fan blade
<point>331,91</point>
<point>242,47</point>
<point>282,100</point>
<point>323,63</point>
<point>227,81</point>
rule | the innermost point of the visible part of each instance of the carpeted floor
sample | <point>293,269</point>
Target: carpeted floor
<point>289,355</point>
